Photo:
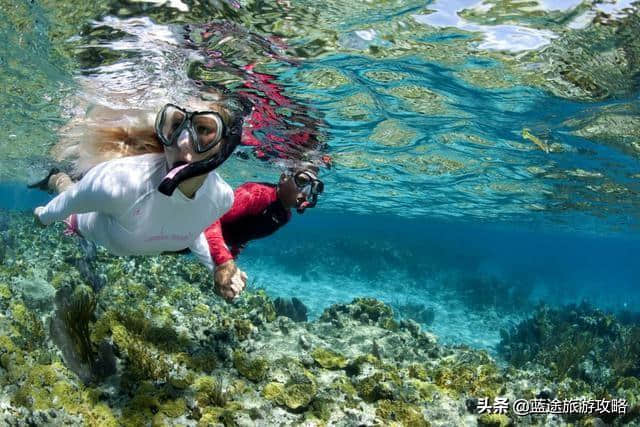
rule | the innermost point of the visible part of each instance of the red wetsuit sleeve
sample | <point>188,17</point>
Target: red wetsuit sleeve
<point>217,247</point>
<point>249,199</point>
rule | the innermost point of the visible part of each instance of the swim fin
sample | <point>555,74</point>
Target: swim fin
<point>43,184</point>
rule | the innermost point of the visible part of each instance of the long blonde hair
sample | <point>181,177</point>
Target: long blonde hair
<point>105,133</point>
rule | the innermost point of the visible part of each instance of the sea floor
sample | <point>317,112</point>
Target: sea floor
<point>453,322</point>
<point>91,339</point>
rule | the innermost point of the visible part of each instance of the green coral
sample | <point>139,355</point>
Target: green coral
<point>364,310</point>
<point>243,328</point>
<point>174,408</point>
<point>76,316</point>
<point>29,326</point>
<point>261,302</point>
<point>43,388</point>
<point>254,369</point>
<point>272,390</point>
<point>145,362</point>
<point>145,403</point>
<point>426,391</point>
<point>322,408</point>
<point>494,420</point>
<point>343,385</point>
<point>215,416</point>
<point>470,372</point>
<point>5,292</point>
<point>418,371</point>
<point>380,385</point>
<point>296,394</point>
<point>400,413</point>
<point>328,358</point>
<point>373,308</point>
<point>576,342</point>
<point>210,392</point>
<point>164,337</point>
<point>200,362</point>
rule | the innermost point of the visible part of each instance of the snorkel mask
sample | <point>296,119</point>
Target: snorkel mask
<point>309,184</point>
<point>206,130</point>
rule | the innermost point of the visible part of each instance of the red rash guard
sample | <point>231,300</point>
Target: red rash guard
<point>256,212</point>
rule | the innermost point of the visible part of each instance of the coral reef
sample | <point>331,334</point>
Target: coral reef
<point>583,351</point>
<point>182,356</point>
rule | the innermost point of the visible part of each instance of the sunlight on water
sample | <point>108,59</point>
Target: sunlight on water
<point>452,133</point>
<point>477,236</point>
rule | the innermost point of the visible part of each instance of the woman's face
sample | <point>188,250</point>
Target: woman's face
<point>206,129</point>
<point>182,151</point>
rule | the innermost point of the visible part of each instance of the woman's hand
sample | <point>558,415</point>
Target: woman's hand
<point>230,281</point>
<point>37,212</point>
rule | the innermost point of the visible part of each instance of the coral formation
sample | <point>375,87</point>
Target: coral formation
<point>185,357</point>
<point>583,350</point>
<point>328,358</point>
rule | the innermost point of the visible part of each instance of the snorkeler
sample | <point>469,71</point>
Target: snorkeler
<point>129,205</point>
<point>259,210</point>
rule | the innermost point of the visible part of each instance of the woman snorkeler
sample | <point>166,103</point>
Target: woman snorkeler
<point>127,202</point>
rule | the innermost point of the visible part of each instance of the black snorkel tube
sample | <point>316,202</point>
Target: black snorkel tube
<point>232,139</point>
<point>307,204</point>
<point>317,187</point>
<point>203,167</point>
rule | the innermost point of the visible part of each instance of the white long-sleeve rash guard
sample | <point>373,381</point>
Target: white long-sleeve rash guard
<point>120,208</point>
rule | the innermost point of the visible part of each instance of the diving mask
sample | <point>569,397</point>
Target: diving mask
<point>308,183</point>
<point>205,128</point>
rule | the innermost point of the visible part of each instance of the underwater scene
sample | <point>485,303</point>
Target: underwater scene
<point>450,233</point>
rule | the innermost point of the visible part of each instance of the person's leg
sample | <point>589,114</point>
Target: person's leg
<point>59,182</point>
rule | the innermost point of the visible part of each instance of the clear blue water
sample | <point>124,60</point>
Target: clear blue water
<point>433,180</point>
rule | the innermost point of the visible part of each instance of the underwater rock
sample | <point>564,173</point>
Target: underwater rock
<point>171,336</point>
<point>292,308</point>
<point>365,310</point>
<point>36,292</point>
<point>304,342</point>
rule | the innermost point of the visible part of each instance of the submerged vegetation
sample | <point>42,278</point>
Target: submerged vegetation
<point>155,346</point>
<point>579,342</point>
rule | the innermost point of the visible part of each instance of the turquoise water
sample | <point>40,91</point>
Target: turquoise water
<point>484,155</point>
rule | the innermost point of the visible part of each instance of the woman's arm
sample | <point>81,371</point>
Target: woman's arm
<point>100,190</point>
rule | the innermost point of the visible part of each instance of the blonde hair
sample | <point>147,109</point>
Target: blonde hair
<point>106,134</point>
